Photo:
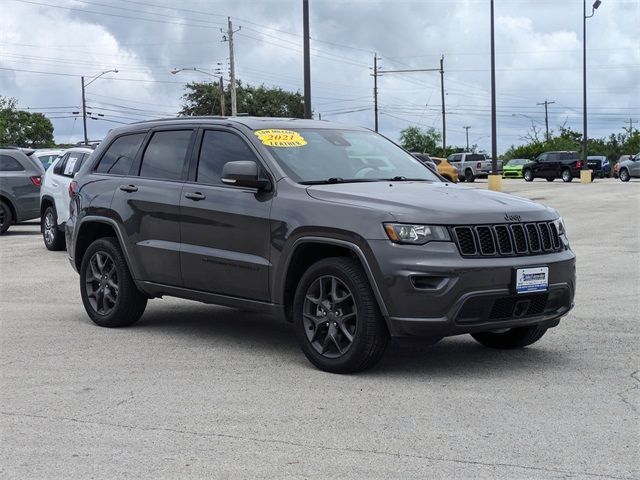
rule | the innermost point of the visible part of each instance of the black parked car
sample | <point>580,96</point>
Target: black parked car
<point>333,228</point>
<point>552,165</point>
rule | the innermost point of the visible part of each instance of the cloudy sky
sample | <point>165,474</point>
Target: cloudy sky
<point>46,45</point>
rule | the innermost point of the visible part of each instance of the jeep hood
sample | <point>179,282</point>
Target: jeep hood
<point>437,203</point>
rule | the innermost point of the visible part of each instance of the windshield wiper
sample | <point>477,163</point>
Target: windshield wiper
<point>400,178</point>
<point>338,180</point>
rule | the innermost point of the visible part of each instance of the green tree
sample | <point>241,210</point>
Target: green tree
<point>23,129</point>
<point>204,99</point>
<point>416,139</point>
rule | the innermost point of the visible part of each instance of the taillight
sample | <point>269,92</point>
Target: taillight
<point>578,164</point>
<point>73,189</point>
<point>36,180</point>
<point>479,165</point>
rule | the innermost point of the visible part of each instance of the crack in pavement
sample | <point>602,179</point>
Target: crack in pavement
<point>315,447</point>
<point>635,386</point>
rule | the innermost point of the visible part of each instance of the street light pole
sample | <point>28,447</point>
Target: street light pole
<point>584,178</point>
<point>214,75</point>
<point>494,178</point>
<point>84,101</point>
<point>306,59</point>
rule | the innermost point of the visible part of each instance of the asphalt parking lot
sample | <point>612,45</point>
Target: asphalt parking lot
<point>201,391</point>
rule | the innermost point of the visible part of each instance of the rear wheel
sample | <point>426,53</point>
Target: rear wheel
<point>468,176</point>
<point>52,236</point>
<point>108,293</point>
<point>550,179</point>
<point>624,175</point>
<point>512,338</point>
<point>336,317</point>
<point>6,217</point>
<point>528,175</point>
<point>566,175</point>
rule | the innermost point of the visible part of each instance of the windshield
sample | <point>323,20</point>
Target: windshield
<point>333,156</point>
<point>517,161</point>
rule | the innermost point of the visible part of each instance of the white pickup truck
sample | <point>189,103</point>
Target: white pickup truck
<point>472,165</point>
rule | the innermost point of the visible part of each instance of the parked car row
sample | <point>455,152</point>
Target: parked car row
<point>566,165</point>
<point>439,165</point>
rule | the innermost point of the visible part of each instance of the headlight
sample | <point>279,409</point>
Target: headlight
<point>559,223</point>
<point>416,234</point>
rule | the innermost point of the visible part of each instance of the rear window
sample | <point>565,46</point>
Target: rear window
<point>119,156</point>
<point>166,154</point>
<point>475,157</point>
<point>10,164</point>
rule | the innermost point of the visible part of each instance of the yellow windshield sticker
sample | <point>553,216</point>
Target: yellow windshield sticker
<point>280,138</point>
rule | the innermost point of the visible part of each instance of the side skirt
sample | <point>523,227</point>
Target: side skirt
<point>158,290</point>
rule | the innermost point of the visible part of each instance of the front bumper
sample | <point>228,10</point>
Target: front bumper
<point>431,291</point>
<point>512,173</point>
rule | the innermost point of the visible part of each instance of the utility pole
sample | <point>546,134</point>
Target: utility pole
<point>630,129</point>
<point>467,129</point>
<point>441,70</point>
<point>375,90</point>
<point>232,64</point>
<point>494,135</point>
<point>546,115</point>
<point>222,106</point>
<point>84,113</point>
<point>307,61</point>
<point>444,123</point>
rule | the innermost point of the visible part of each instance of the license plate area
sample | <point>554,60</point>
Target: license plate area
<point>532,280</point>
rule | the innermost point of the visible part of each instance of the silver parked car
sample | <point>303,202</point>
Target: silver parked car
<point>628,169</point>
<point>20,180</point>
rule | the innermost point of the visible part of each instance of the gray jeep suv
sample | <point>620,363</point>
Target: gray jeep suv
<point>20,181</point>
<point>333,228</point>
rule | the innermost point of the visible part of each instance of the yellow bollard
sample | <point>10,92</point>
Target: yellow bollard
<point>586,176</point>
<point>495,182</point>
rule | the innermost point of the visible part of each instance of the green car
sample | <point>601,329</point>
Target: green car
<point>513,169</point>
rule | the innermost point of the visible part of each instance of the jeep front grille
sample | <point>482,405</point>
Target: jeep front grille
<point>507,239</point>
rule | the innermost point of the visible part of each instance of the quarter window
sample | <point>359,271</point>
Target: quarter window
<point>10,164</point>
<point>166,154</point>
<point>119,156</point>
<point>219,147</point>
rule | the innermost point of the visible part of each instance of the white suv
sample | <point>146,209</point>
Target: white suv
<point>54,196</point>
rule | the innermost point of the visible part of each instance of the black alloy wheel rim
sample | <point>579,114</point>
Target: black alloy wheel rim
<point>49,225</point>
<point>101,281</point>
<point>527,175</point>
<point>330,316</point>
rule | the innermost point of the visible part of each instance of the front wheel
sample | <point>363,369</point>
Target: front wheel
<point>52,236</point>
<point>566,175</point>
<point>512,338</point>
<point>108,293</point>
<point>336,317</point>
<point>528,175</point>
<point>624,175</point>
<point>6,217</point>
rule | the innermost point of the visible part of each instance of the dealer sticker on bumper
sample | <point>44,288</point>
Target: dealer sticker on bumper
<point>530,280</point>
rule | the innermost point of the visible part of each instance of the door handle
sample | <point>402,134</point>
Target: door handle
<point>195,196</point>
<point>54,184</point>
<point>128,188</point>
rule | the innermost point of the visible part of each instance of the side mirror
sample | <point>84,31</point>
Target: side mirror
<point>244,174</point>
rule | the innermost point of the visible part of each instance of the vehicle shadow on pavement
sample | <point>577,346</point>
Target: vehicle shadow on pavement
<point>463,356</point>
<point>259,334</point>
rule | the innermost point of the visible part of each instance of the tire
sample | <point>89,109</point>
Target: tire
<point>550,179</point>
<point>566,175</point>
<point>323,326</point>
<point>528,175</point>
<point>468,176</point>
<point>6,217</point>
<point>128,304</point>
<point>624,175</point>
<point>51,235</point>
<point>513,338</point>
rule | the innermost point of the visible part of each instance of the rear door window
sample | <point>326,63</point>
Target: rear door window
<point>219,147</point>
<point>10,164</point>
<point>166,154</point>
<point>119,156</point>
